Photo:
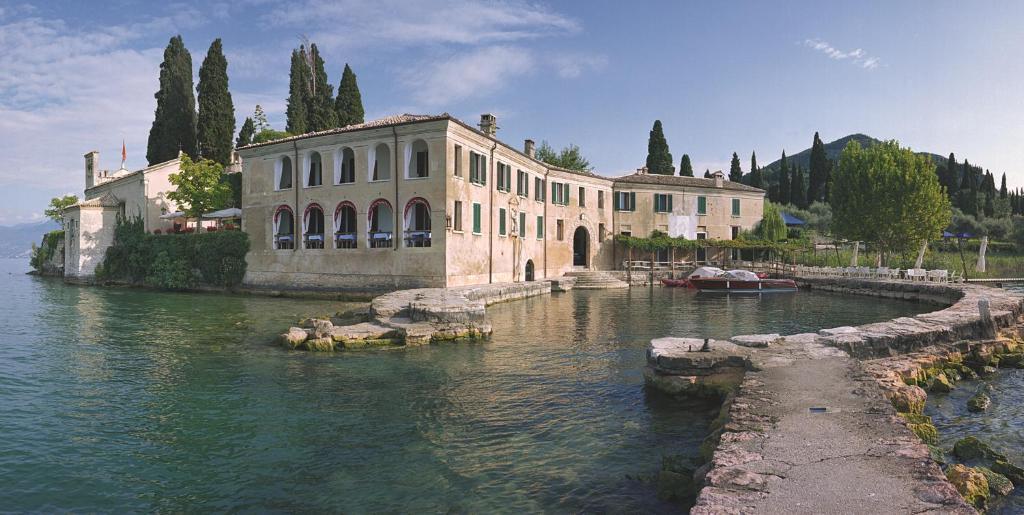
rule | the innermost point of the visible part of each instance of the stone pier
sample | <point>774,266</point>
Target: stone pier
<point>810,428</point>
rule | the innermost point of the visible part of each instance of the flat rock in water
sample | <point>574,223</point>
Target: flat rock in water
<point>757,340</point>
<point>836,331</point>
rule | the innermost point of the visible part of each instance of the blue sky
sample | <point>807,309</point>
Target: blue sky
<point>77,76</point>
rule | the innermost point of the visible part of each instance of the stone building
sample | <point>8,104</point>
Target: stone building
<point>425,201</point>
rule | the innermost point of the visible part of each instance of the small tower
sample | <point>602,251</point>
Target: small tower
<point>92,165</point>
<point>488,124</point>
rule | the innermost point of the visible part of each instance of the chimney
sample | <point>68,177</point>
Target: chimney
<point>92,164</point>
<point>488,124</point>
<point>530,148</point>
<point>719,178</point>
<point>642,170</point>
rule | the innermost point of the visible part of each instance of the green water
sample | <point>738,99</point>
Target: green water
<point>129,400</point>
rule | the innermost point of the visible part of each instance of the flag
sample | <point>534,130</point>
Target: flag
<point>124,153</point>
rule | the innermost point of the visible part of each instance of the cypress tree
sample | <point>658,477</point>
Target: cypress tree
<point>659,159</point>
<point>349,104</point>
<point>785,189</point>
<point>1003,192</point>
<point>298,88</point>
<point>735,172</point>
<point>216,120</point>
<point>755,174</point>
<point>951,177</point>
<point>685,168</point>
<point>707,173</point>
<point>322,115</point>
<point>246,133</point>
<point>798,192</point>
<point>174,124</point>
<point>819,171</point>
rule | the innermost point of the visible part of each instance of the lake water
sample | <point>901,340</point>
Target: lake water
<point>131,400</point>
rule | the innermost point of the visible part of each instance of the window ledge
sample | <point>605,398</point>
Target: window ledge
<point>371,181</point>
<point>313,186</point>
<point>345,183</point>
<point>416,179</point>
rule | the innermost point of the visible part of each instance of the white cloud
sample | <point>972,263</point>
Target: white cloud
<point>857,56</point>
<point>466,75</point>
<point>570,66</point>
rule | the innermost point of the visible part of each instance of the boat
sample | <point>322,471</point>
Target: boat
<point>741,281</point>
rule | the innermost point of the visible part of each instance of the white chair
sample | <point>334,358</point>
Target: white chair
<point>939,276</point>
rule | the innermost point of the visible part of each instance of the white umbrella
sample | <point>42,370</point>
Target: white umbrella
<point>980,267</point>
<point>856,249</point>
<point>172,216</point>
<point>231,212</point>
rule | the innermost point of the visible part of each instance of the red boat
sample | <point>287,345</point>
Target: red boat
<point>676,283</point>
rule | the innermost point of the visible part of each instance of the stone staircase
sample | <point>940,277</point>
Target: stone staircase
<point>595,280</point>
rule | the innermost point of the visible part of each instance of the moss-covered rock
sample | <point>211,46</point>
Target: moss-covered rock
<point>937,454</point>
<point>941,383</point>
<point>979,402</point>
<point>988,371</point>
<point>971,484</point>
<point>294,338</point>
<point>998,484</point>
<point>973,449</point>
<point>676,485</point>
<point>1011,471</point>
<point>320,344</point>
<point>908,399</point>
<point>1011,360</point>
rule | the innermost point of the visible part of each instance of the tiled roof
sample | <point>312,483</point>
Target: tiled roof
<point>372,124</point>
<point>106,200</point>
<point>676,180</point>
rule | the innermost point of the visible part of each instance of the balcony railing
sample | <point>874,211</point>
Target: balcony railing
<point>380,240</point>
<point>344,240</point>
<point>417,239</point>
<point>314,240</point>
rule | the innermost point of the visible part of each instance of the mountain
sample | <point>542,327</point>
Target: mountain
<point>16,240</point>
<point>832,150</point>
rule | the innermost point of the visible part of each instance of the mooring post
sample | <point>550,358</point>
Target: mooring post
<point>988,324</point>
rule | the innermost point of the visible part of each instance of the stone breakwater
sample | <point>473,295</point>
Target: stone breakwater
<point>413,317</point>
<point>806,426</point>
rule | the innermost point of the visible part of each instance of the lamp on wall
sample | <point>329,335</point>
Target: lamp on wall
<point>448,222</point>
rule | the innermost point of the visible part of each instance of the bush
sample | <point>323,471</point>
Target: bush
<point>44,252</point>
<point>169,273</point>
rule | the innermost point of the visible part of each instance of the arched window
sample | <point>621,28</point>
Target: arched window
<point>345,236</point>
<point>417,223</point>
<point>345,167</point>
<point>284,228</point>
<point>315,173</point>
<point>381,224</point>
<point>283,173</point>
<point>417,160</point>
<point>381,160</point>
<point>313,227</point>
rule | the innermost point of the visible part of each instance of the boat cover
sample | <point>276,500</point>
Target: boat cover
<point>706,272</point>
<point>742,275</point>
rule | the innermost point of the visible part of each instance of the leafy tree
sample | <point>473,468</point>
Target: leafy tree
<point>320,108</point>
<point>174,123</point>
<point>819,171</point>
<point>246,133</point>
<point>259,119</point>
<point>216,120</point>
<point>735,172</point>
<point>349,104</point>
<point>798,191</point>
<point>771,227</point>
<point>270,135</point>
<point>55,211</point>
<point>198,187</point>
<point>569,158</point>
<point>685,168</point>
<point>785,188</point>
<point>299,81</point>
<point>659,159</point>
<point>889,196</point>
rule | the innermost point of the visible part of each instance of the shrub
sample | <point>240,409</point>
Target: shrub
<point>44,252</point>
<point>169,273</point>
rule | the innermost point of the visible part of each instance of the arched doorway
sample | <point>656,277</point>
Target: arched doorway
<point>581,247</point>
<point>529,270</point>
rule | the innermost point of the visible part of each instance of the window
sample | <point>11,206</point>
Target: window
<point>345,226</point>
<point>501,221</point>
<point>283,173</point>
<point>381,163</point>
<point>538,189</point>
<point>522,184</point>
<point>457,215</point>
<point>583,197</point>
<point>625,201</point>
<point>560,229</point>
<point>560,193</point>
<point>476,218</point>
<point>284,228</point>
<point>458,160</point>
<point>417,223</point>
<point>504,177</point>
<point>477,168</point>
<point>735,207</point>
<point>315,174</point>
<point>662,203</point>
<point>419,160</point>
<point>540,227</point>
<point>600,199</point>
<point>313,227</point>
<point>347,167</point>
<point>522,224</point>
<point>702,205</point>
<point>381,224</point>
<point>600,233</point>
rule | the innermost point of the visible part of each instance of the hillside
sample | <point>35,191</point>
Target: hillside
<point>832,150</point>
<point>16,240</point>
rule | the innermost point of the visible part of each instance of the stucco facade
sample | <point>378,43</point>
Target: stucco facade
<point>425,201</point>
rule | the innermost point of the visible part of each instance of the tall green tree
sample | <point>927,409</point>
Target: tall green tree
<point>707,173</point>
<point>199,188</point>
<point>322,115</point>
<point>299,80</point>
<point>216,120</point>
<point>888,196</point>
<point>785,186</point>
<point>174,123</point>
<point>1003,192</point>
<point>246,133</point>
<point>950,176</point>
<point>55,211</point>
<point>755,179</point>
<point>771,227</point>
<point>735,172</point>
<point>819,171</point>
<point>685,167</point>
<point>349,104</point>
<point>570,157</point>
<point>798,191</point>
<point>259,120</point>
<point>659,159</point>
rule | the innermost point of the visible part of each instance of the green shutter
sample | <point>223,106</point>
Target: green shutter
<point>735,207</point>
<point>554,192</point>
<point>669,203</point>
<point>540,226</point>
<point>702,205</point>
<point>632,201</point>
<point>501,221</point>
<point>565,198</point>
<point>522,224</point>
<point>483,170</point>
<point>476,218</point>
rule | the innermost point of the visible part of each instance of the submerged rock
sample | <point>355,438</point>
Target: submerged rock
<point>973,449</point>
<point>1015,359</point>
<point>757,340</point>
<point>1011,471</point>
<point>942,383</point>
<point>970,482</point>
<point>998,484</point>
<point>988,371</point>
<point>979,402</point>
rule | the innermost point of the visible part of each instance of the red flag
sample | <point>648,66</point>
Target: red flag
<point>124,152</point>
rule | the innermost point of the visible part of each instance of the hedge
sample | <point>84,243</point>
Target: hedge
<point>42,253</point>
<point>175,261</point>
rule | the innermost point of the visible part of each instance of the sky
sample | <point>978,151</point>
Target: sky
<point>938,76</point>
